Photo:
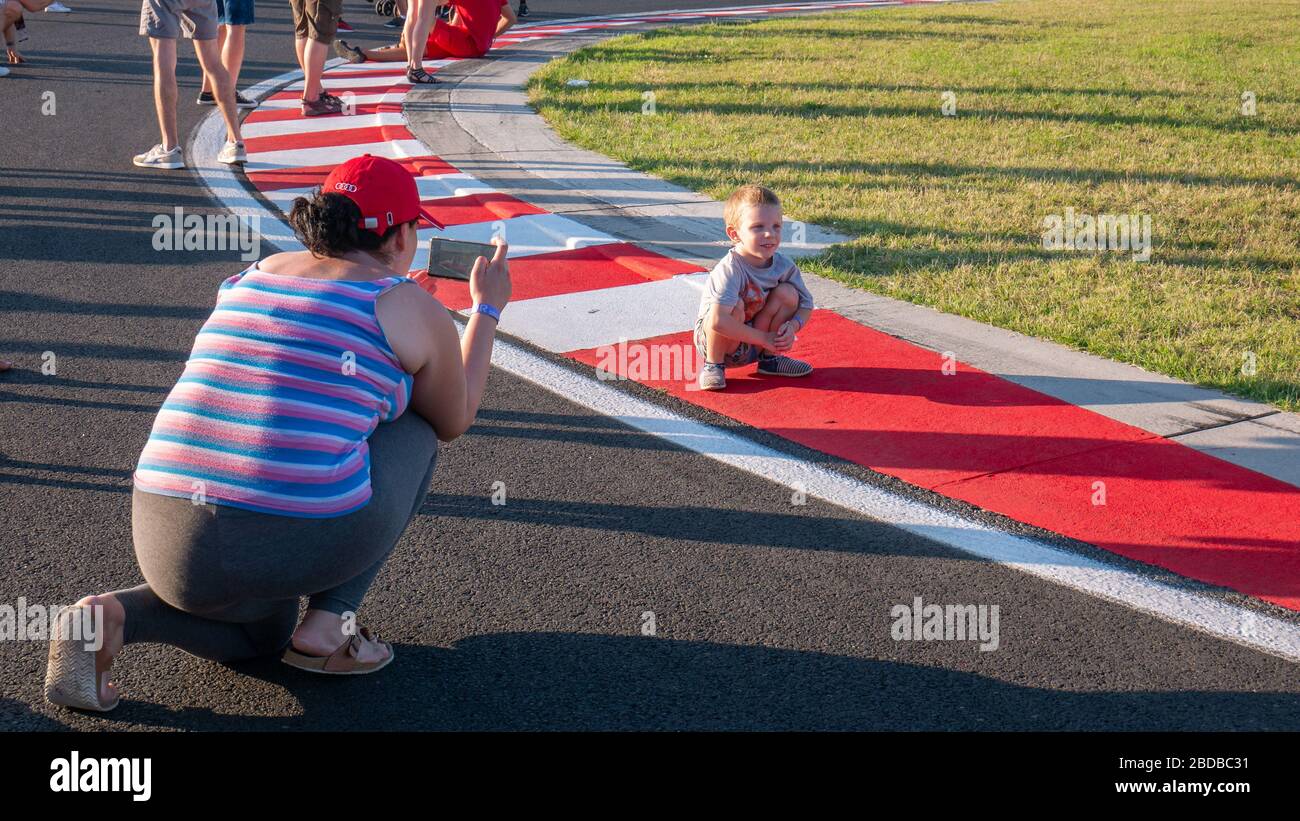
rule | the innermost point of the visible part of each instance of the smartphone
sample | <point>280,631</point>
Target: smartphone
<point>454,259</point>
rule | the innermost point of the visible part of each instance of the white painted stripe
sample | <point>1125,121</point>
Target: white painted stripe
<point>588,319</point>
<point>397,66</point>
<point>1091,576</point>
<point>357,99</point>
<point>316,125</point>
<point>433,187</point>
<point>333,81</point>
<point>527,235</point>
<point>333,154</point>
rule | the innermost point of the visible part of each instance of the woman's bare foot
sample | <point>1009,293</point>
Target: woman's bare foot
<point>111,629</point>
<point>321,633</point>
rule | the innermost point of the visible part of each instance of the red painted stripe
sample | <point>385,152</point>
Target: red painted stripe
<point>321,139</point>
<point>885,404</point>
<point>307,176</point>
<point>567,272</point>
<point>484,207</point>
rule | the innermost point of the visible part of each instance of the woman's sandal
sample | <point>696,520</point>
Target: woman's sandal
<point>420,77</point>
<point>343,661</point>
<point>352,54</point>
<point>70,677</point>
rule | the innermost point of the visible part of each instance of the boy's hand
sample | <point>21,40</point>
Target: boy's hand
<point>784,338</point>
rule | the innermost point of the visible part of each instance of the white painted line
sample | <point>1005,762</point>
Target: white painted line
<point>1186,608</point>
<point>527,235</point>
<point>316,125</point>
<point>431,187</point>
<point>296,102</point>
<point>333,154</point>
<point>588,319</point>
<point>396,66</point>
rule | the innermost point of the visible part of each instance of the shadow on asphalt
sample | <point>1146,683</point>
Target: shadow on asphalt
<point>557,681</point>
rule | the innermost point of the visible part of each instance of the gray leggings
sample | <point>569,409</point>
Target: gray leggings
<point>224,582</point>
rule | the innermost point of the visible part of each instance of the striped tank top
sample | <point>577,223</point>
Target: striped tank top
<point>287,379</point>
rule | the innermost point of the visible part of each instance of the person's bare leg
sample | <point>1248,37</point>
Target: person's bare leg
<point>314,54</point>
<point>299,43</point>
<point>164,89</point>
<point>221,41</point>
<point>782,303</point>
<point>719,347</point>
<point>230,42</point>
<point>232,53</point>
<point>222,88</point>
<point>386,54</point>
<point>416,30</point>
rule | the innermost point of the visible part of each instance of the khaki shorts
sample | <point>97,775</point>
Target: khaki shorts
<point>316,19</point>
<point>169,19</point>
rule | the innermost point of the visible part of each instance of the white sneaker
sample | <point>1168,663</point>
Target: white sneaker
<point>232,153</point>
<point>58,7</point>
<point>156,157</point>
<point>4,72</point>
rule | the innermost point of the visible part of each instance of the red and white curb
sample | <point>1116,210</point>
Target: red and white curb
<point>636,295</point>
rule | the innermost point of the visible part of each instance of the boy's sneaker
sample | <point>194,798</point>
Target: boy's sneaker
<point>232,153</point>
<point>157,157</point>
<point>783,366</point>
<point>325,104</point>
<point>207,98</point>
<point>713,377</point>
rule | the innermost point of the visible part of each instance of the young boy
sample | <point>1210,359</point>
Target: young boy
<point>755,300</point>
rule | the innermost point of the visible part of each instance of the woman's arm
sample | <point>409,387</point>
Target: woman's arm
<point>450,374</point>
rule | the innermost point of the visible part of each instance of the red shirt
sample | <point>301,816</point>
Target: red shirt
<point>479,19</point>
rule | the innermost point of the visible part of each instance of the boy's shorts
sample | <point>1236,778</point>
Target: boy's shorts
<point>169,19</point>
<point>744,354</point>
<point>316,19</point>
<point>235,12</point>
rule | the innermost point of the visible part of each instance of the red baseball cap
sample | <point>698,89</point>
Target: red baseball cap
<point>384,191</point>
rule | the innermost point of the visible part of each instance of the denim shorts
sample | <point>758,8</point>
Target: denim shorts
<point>744,354</point>
<point>235,12</point>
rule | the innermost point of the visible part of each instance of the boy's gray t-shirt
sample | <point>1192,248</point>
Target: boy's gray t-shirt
<point>734,280</point>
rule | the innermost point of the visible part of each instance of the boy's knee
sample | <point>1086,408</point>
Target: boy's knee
<point>785,293</point>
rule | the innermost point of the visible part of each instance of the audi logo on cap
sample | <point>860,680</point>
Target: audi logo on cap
<point>345,186</point>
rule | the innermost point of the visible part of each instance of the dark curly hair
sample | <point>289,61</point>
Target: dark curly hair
<point>327,225</point>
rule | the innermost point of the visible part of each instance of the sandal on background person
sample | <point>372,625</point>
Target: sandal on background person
<point>419,76</point>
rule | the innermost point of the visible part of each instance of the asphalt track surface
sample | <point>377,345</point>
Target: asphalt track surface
<point>768,615</point>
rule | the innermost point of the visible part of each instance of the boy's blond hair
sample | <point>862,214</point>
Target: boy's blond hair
<point>744,197</point>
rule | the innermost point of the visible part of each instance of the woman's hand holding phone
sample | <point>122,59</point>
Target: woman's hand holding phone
<point>489,281</point>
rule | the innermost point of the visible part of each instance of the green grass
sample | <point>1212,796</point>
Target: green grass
<point>1105,106</point>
